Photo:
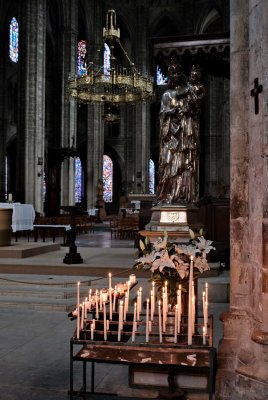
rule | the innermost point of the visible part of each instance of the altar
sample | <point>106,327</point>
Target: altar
<point>22,217</point>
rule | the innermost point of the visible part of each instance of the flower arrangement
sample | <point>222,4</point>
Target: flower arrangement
<point>169,261</point>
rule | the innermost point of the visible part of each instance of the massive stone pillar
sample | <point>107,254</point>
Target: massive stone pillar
<point>95,144</point>
<point>68,117</point>
<point>142,147</point>
<point>31,124</point>
<point>243,354</point>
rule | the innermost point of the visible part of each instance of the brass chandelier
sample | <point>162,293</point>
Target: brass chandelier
<point>117,84</point>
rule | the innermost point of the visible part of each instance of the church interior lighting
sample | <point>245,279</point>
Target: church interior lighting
<point>115,84</point>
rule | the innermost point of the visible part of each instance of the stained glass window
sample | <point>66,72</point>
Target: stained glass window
<point>107,179</point>
<point>78,180</point>
<point>151,177</point>
<point>106,59</point>
<point>81,57</point>
<point>160,78</point>
<point>14,40</point>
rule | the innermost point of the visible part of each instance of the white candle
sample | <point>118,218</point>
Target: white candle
<point>104,322</point>
<point>190,299</point>
<point>82,316</point>
<point>159,321</point>
<point>176,324</point>
<point>78,311</point>
<point>140,299</point>
<point>108,325</point>
<point>97,304</point>
<point>193,309</point>
<point>10,197</point>
<point>204,335</point>
<point>179,309</point>
<point>128,288</point>
<point>101,300</point>
<point>92,331</point>
<point>138,305</point>
<point>153,297</point>
<point>120,320</point>
<point>114,303</point>
<point>125,307</point>
<point>152,306</point>
<point>110,296</point>
<point>134,322</point>
<point>206,306</point>
<point>147,321</point>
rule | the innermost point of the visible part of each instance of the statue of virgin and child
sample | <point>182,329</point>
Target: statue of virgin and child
<point>178,179</point>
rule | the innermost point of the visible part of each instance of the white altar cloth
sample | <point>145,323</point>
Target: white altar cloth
<point>22,217</point>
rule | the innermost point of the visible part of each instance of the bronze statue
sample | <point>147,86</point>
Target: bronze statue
<point>179,137</point>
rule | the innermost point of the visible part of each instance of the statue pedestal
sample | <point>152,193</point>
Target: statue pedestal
<point>169,217</point>
<point>175,219</point>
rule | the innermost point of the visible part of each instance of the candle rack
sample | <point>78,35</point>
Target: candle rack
<point>171,356</point>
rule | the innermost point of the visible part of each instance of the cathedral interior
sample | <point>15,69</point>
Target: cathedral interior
<point>68,142</point>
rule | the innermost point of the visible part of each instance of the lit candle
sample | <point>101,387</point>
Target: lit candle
<point>114,303</point>
<point>138,305</point>
<point>159,321</point>
<point>153,296</point>
<point>190,299</point>
<point>179,309</point>
<point>147,321</point>
<point>152,306</point>
<point>140,299</point>
<point>101,299</point>
<point>104,322</point>
<point>125,307</point>
<point>176,324</point>
<point>120,320</point>
<point>78,311</point>
<point>206,305</point>
<point>97,304</point>
<point>110,296</point>
<point>193,309</point>
<point>82,316</point>
<point>134,322</point>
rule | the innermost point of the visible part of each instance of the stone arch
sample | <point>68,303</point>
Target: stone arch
<point>209,21</point>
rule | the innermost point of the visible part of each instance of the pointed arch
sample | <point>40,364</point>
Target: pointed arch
<point>209,21</point>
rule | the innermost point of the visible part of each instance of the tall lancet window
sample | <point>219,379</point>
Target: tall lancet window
<point>78,180</point>
<point>81,57</point>
<point>107,179</point>
<point>106,59</point>
<point>151,177</point>
<point>14,40</point>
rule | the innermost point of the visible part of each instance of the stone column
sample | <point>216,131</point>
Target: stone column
<point>95,143</point>
<point>142,146</point>
<point>3,122</point>
<point>31,124</point>
<point>68,117</point>
<point>242,357</point>
<point>142,117</point>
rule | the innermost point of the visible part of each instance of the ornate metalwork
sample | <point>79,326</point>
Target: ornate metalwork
<point>117,85</point>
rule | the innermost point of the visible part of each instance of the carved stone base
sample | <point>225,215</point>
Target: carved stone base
<point>169,217</point>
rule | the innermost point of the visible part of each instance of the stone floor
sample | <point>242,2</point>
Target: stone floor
<point>34,345</point>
